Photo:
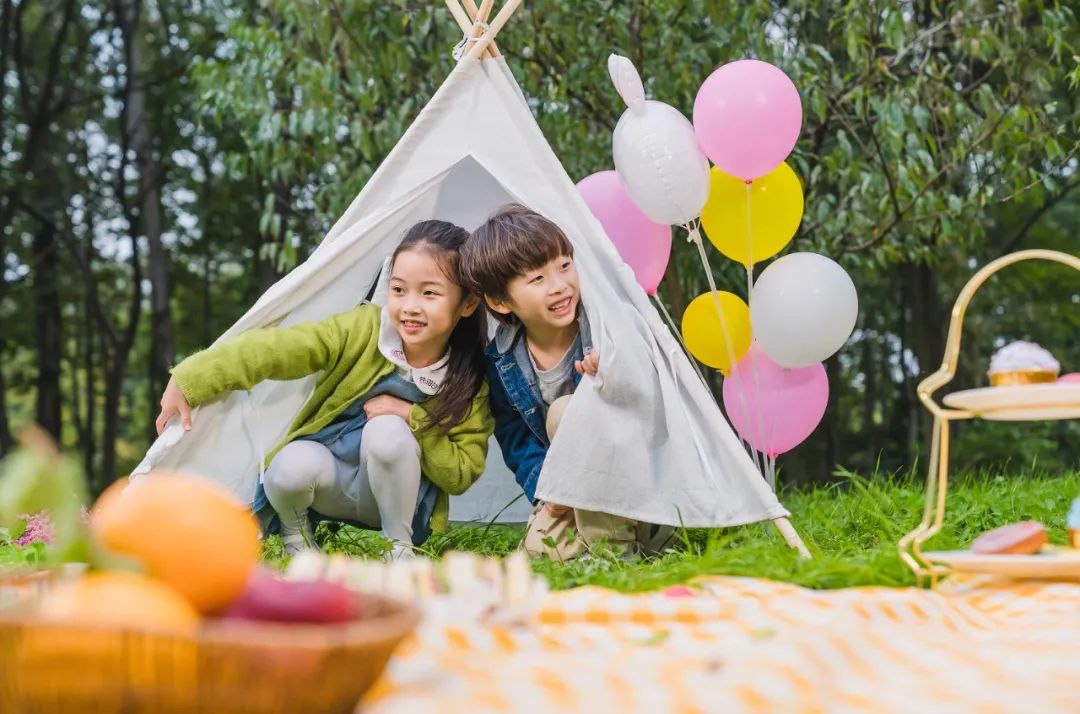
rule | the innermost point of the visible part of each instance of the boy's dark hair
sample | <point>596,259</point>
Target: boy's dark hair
<point>512,242</point>
<point>465,371</point>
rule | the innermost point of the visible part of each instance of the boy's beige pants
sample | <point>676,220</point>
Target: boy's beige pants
<point>577,531</point>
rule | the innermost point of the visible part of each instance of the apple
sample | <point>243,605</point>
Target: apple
<point>269,598</point>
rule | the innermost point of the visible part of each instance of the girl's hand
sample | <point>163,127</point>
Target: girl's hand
<point>589,365</point>
<point>173,402</point>
<point>385,404</point>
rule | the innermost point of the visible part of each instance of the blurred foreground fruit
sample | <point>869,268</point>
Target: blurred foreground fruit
<point>317,601</point>
<point>186,531</point>
<point>119,599</point>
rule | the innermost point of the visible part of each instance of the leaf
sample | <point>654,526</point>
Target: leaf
<point>822,52</point>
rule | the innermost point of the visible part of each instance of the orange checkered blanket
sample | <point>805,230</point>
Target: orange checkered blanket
<point>746,645</point>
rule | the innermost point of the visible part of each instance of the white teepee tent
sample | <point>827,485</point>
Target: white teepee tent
<point>645,441</point>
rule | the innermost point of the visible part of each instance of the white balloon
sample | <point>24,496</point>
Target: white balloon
<point>802,309</point>
<point>656,152</point>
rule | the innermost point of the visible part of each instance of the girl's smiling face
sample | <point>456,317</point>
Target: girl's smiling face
<point>425,305</point>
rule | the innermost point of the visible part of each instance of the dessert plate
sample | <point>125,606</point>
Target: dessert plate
<point>1051,563</point>
<point>1060,400</point>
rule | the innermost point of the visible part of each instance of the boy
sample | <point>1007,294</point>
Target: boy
<point>523,265</point>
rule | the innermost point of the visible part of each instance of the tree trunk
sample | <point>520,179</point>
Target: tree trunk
<point>40,130</point>
<point>88,443</point>
<point>7,9</point>
<point>870,396</point>
<point>47,329</point>
<point>207,298</point>
<point>114,381</point>
<point>77,394</point>
<point>162,342</point>
<point>929,322</point>
<point>830,430</point>
<point>6,440</point>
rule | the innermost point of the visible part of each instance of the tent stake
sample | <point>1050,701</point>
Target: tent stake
<point>791,536</point>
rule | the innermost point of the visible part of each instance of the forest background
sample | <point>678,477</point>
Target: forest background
<point>162,163</point>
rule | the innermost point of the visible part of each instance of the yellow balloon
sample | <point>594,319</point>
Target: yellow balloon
<point>712,341</point>
<point>776,208</point>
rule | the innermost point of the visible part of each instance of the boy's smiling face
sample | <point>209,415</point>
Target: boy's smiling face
<point>545,298</point>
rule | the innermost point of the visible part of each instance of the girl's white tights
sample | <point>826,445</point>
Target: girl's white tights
<point>381,493</point>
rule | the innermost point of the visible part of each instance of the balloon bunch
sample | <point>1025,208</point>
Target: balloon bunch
<point>803,306</point>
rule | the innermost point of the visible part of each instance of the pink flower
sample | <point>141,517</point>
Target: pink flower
<point>39,529</point>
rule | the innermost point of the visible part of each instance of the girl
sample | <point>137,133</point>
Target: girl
<point>399,416</point>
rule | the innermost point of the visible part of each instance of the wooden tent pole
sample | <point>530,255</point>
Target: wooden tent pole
<point>500,20</point>
<point>485,9</point>
<point>480,15</point>
<point>791,536</point>
<point>466,23</point>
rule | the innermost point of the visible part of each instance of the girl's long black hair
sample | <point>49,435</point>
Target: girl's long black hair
<point>465,371</point>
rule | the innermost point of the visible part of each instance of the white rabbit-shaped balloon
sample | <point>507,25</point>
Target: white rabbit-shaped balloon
<point>656,152</point>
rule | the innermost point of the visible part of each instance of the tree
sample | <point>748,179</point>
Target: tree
<point>137,134</point>
<point>215,144</point>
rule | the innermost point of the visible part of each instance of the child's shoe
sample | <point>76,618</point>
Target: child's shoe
<point>298,543</point>
<point>298,540</point>
<point>399,551</point>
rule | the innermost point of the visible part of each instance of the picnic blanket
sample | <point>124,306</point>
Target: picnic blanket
<point>747,645</point>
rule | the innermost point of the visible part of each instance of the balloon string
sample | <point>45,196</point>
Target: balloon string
<point>749,248</point>
<point>758,415</point>
<point>678,335</point>
<point>695,238</point>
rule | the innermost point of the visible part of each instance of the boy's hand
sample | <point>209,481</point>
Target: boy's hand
<point>555,510</point>
<point>385,404</point>
<point>589,365</point>
<point>173,402</point>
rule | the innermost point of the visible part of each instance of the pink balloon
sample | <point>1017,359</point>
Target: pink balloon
<point>773,408</point>
<point>747,117</point>
<point>643,244</point>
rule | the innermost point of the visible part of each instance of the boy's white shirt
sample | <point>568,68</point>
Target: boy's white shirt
<point>427,379</point>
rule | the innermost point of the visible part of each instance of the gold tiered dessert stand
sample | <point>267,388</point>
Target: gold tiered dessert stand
<point>1040,402</point>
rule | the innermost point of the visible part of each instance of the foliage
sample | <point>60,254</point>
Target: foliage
<point>937,136</point>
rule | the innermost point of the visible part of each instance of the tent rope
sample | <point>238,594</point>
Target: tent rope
<point>468,39</point>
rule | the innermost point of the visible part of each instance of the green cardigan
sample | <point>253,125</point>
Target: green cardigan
<point>344,348</point>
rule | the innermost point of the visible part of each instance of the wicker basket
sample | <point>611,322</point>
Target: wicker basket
<point>229,666</point>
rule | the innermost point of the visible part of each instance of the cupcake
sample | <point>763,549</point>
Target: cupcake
<point>1072,522</point>
<point>1022,363</point>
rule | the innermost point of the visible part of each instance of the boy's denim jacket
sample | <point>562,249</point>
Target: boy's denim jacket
<point>516,404</point>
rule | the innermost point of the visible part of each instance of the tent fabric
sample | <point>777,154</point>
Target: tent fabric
<point>646,439</point>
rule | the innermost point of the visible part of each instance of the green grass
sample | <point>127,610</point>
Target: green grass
<point>851,528</point>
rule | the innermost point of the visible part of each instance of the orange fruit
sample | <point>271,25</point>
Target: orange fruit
<point>186,531</point>
<point>119,599</point>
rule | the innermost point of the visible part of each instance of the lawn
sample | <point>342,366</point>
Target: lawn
<point>851,527</point>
